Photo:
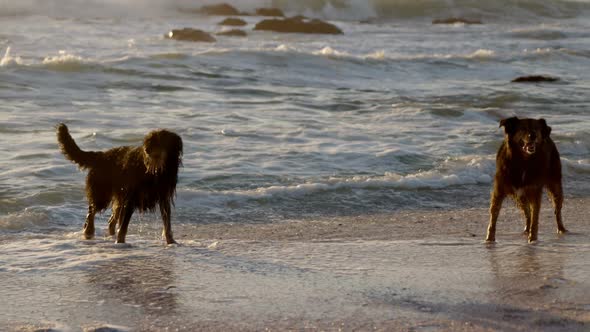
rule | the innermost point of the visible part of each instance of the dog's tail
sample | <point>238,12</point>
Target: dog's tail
<point>70,149</point>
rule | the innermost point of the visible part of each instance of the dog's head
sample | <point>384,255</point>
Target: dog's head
<point>527,135</point>
<point>162,150</point>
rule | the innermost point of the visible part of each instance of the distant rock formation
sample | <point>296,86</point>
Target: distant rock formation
<point>534,79</point>
<point>297,25</point>
<point>189,34</point>
<point>233,33</point>
<point>232,21</point>
<point>270,12</point>
<point>223,9</point>
<point>456,20</point>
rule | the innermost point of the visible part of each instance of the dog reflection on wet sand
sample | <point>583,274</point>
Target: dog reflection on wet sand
<point>527,162</point>
<point>129,178</point>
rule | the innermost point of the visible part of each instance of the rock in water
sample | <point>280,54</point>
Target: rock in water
<point>237,22</point>
<point>189,34</point>
<point>233,33</point>
<point>221,9</point>
<point>299,17</point>
<point>534,79</point>
<point>297,25</point>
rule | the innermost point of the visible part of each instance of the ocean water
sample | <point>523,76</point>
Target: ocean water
<point>394,114</point>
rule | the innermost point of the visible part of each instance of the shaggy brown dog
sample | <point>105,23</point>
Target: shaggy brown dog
<point>128,177</point>
<point>526,162</point>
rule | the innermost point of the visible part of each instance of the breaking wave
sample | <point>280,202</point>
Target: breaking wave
<point>8,59</point>
<point>468,170</point>
<point>330,9</point>
<point>404,9</point>
<point>66,61</point>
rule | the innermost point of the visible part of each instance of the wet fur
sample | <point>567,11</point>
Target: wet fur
<point>527,162</point>
<point>130,178</point>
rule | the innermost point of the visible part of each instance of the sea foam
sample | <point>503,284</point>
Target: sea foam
<point>25,220</point>
<point>8,59</point>
<point>466,170</point>
<point>378,55</point>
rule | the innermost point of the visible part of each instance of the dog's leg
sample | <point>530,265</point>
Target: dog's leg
<point>535,204</point>
<point>127,210</point>
<point>89,223</point>
<point>495,206</point>
<point>556,195</point>
<point>115,218</point>
<point>167,231</point>
<point>525,207</point>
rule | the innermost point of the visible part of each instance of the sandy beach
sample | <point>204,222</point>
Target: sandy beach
<point>409,271</point>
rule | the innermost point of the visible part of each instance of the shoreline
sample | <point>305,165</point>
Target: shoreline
<point>410,271</point>
<point>468,223</point>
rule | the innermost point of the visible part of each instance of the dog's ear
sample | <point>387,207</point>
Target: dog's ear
<point>509,125</point>
<point>545,129</point>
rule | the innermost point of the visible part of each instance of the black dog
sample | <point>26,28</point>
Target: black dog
<point>128,177</point>
<point>526,162</point>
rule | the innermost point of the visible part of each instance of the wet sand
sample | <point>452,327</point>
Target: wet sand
<point>409,271</point>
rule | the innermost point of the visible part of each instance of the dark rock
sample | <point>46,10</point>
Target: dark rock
<point>237,22</point>
<point>233,33</point>
<point>221,9</point>
<point>456,20</point>
<point>299,17</point>
<point>297,25</point>
<point>188,34</point>
<point>270,12</point>
<point>534,79</point>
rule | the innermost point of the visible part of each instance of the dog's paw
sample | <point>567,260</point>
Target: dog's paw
<point>88,231</point>
<point>169,240</point>
<point>562,231</point>
<point>121,245</point>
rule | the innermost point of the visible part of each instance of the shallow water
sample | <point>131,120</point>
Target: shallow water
<point>253,285</point>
